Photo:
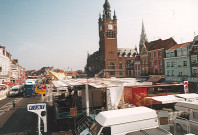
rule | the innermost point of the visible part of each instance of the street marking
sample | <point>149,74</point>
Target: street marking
<point>7,106</point>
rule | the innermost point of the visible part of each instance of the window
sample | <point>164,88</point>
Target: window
<point>172,54</point>
<point>173,72</point>
<point>155,62</point>
<point>194,72</point>
<point>112,69</point>
<point>179,53</point>
<point>159,53</point>
<point>120,66</point>
<point>168,64</point>
<point>172,63</point>
<point>155,55</point>
<point>168,72</point>
<point>0,69</point>
<point>160,62</point>
<point>179,63</point>
<point>151,63</point>
<point>184,63</point>
<point>161,71</point>
<point>167,55</point>
<point>180,73</point>
<point>151,55</point>
<point>184,52</point>
<point>194,59</point>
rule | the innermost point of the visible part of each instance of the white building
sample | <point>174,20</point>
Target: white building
<point>5,65</point>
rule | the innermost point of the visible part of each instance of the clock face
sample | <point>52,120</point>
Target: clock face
<point>110,26</point>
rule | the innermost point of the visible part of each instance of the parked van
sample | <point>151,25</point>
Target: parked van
<point>16,90</point>
<point>130,121</point>
<point>188,119</point>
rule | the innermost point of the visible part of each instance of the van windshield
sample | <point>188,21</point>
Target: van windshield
<point>28,86</point>
<point>15,89</point>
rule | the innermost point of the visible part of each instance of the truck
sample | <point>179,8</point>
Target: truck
<point>129,121</point>
<point>187,120</point>
<point>29,87</point>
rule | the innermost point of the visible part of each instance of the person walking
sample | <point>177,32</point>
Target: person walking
<point>14,103</point>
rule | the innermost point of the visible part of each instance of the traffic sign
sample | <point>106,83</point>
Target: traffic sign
<point>36,108</point>
<point>186,87</point>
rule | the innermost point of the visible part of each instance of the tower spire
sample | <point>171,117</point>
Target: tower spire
<point>143,38</point>
<point>107,11</point>
<point>114,16</point>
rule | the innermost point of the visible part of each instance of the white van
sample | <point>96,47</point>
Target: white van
<point>16,90</point>
<point>130,121</point>
<point>188,119</point>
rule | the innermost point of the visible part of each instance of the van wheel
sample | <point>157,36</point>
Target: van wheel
<point>179,127</point>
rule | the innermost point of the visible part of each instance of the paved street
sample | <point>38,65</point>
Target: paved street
<point>19,121</point>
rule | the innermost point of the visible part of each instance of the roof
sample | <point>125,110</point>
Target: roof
<point>158,44</point>
<point>113,117</point>
<point>180,45</point>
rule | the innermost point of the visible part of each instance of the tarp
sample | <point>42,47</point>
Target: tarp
<point>58,76</point>
<point>59,84</point>
<point>164,99</point>
<point>190,96</point>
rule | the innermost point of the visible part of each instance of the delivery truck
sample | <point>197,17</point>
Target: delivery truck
<point>29,87</point>
<point>130,121</point>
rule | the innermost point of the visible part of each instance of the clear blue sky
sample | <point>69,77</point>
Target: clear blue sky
<point>59,33</point>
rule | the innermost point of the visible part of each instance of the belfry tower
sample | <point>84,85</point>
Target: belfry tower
<point>107,38</point>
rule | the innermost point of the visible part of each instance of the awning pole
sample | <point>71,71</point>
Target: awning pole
<point>87,98</point>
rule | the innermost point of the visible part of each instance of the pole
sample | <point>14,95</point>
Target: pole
<point>39,130</point>
<point>87,98</point>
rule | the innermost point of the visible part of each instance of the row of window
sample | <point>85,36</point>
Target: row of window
<point>176,53</point>
<point>172,73</point>
<point>127,65</point>
<point>173,64</point>
<point>111,34</point>
<point>156,54</point>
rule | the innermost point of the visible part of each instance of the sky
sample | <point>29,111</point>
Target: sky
<point>60,33</point>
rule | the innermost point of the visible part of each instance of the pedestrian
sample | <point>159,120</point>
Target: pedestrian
<point>14,103</point>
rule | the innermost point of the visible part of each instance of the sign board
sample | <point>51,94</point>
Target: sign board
<point>36,108</point>
<point>186,87</point>
<point>41,89</point>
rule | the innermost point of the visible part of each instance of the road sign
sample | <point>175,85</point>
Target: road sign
<point>39,109</point>
<point>186,87</point>
<point>36,108</point>
<point>41,89</point>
